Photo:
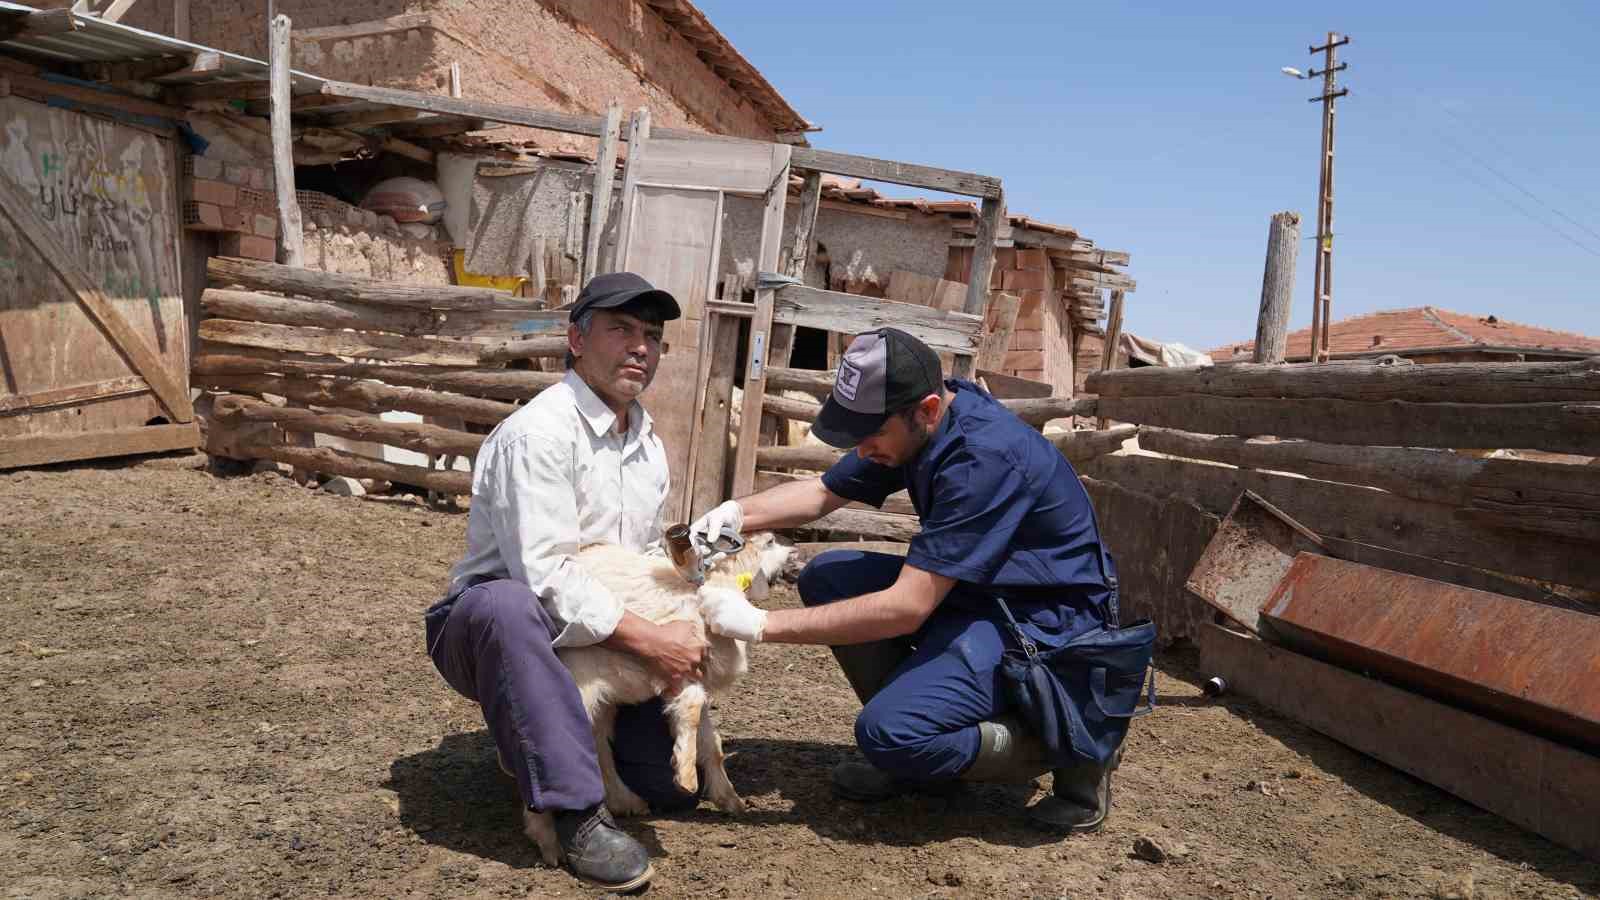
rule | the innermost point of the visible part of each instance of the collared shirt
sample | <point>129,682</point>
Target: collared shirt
<point>1002,511</point>
<point>551,478</point>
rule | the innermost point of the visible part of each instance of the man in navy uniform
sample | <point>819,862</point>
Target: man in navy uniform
<point>920,639</point>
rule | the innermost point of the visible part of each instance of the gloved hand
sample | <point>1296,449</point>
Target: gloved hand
<point>728,514</point>
<point>729,614</point>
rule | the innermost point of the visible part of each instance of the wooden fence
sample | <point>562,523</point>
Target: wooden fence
<point>1387,463</point>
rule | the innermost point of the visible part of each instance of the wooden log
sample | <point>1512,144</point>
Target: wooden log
<point>368,396</point>
<point>853,314</point>
<point>898,502</point>
<point>544,347</point>
<point>1277,288</point>
<point>424,438</point>
<point>638,147</point>
<point>806,456</point>
<point>1108,353</point>
<point>1037,411</point>
<point>508,384</point>
<point>1000,319</point>
<point>329,461</point>
<point>1034,410</point>
<point>989,221</point>
<point>1435,383</point>
<point>1078,446</point>
<point>876,524</point>
<point>605,172</point>
<point>264,276</point>
<point>1362,514</point>
<point>365,345</point>
<point>808,550</point>
<point>790,408</point>
<point>246,306</point>
<point>1009,387</point>
<point>291,239</point>
<point>815,382</point>
<point>1554,427</point>
<point>1547,788</point>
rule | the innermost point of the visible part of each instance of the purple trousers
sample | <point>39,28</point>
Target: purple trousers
<point>492,644</point>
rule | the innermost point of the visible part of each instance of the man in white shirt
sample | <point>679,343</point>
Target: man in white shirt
<point>577,464</point>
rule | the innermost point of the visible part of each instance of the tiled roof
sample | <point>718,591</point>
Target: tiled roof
<point>1423,328</point>
<point>720,56</point>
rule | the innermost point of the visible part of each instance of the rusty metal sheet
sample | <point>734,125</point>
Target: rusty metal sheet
<point>1528,664</point>
<point>1252,549</point>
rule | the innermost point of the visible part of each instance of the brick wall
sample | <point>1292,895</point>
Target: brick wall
<point>566,55</point>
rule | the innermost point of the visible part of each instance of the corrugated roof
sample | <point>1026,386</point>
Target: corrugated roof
<point>1423,328</point>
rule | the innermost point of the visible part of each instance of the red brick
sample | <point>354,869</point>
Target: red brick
<point>236,220</point>
<point>264,225</point>
<point>1032,258</point>
<point>1005,258</point>
<point>203,217</point>
<point>1024,359</point>
<point>248,246</point>
<point>1031,375</point>
<point>1031,280</point>
<point>204,190</point>
<point>1030,311</point>
<point>1027,340</point>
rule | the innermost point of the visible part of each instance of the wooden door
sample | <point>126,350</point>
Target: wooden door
<point>671,233</point>
<point>93,344</point>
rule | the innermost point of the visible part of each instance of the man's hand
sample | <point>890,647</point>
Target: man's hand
<point>727,515</point>
<point>675,651</point>
<point>729,614</point>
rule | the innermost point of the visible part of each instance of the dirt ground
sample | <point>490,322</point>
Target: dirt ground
<point>217,687</point>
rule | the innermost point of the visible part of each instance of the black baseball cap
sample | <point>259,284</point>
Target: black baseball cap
<point>619,289</point>
<point>883,372</point>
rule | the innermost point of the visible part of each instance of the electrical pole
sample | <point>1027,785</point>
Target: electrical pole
<point>1322,281</point>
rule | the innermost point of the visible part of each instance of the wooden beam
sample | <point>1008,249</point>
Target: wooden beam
<point>115,11</point>
<point>501,384</point>
<point>1434,383</point>
<point>329,461</point>
<point>815,382</point>
<point>1537,784</point>
<point>605,172</point>
<point>898,502</point>
<point>16,404</point>
<point>408,150</point>
<point>40,23</point>
<point>47,91</point>
<point>989,220</point>
<point>852,314</point>
<point>1000,319</point>
<point>876,524</point>
<point>266,276</point>
<point>1078,446</point>
<point>246,306</point>
<point>1553,427</point>
<point>291,239</point>
<point>43,449</point>
<point>638,146</point>
<point>1038,411</point>
<point>127,342</point>
<point>180,19</point>
<point>808,550</point>
<point>363,395</point>
<point>1113,337</point>
<point>782,347</point>
<point>755,376</point>
<point>710,464</point>
<point>544,347</point>
<point>332,342</point>
<point>420,437</point>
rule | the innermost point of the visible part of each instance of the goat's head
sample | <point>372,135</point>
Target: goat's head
<point>764,558</point>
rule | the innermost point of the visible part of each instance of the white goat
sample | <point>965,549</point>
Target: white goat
<point>651,588</point>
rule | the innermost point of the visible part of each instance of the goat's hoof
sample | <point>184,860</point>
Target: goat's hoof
<point>626,803</point>
<point>729,803</point>
<point>688,782</point>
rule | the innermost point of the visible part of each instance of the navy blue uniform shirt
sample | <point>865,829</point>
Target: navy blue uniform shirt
<point>1002,512</point>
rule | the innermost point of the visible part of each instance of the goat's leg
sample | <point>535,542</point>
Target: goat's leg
<point>683,720</point>
<point>718,788</point>
<point>540,827</point>
<point>620,799</point>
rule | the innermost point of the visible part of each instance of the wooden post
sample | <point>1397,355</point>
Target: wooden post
<point>773,430</point>
<point>755,377</point>
<point>600,198</point>
<point>1108,354</point>
<point>180,19</point>
<point>291,239</point>
<point>638,137</point>
<point>1277,288</point>
<point>982,260</point>
<point>455,80</point>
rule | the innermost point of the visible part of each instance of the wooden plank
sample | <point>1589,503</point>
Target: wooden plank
<point>13,404</point>
<point>1537,784</point>
<point>853,314</point>
<point>1108,353</point>
<point>291,238</point>
<point>908,174</point>
<point>363,345</point>
<point>1000,318</point>
<point>742,167</point>
<point>247,306</point>
<point>755,376</point>
<point>505,384</point>
<point>638,148</point>
<point>1360,514</point>
<point>265,276</point>
<point>140,356</point>
<point>545,347</point>
<point>989,221</point>
<point>605,172</point>
<point>421,437</point>
<point>43,449</point>
<point>366,396</point>
<point>105,99</point>
<point>180,19</point>
<point>805,226</point>
<point>1434,383</point>
<point>1554,427</point>
<point>711,459</point>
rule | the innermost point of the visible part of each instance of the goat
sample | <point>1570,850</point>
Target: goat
<point>651,588</point>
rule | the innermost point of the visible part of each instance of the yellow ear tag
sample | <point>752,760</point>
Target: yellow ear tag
<point>745,581</point>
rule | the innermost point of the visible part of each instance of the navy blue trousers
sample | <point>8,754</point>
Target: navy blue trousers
<point>492,644</point>
<point>923,723</point>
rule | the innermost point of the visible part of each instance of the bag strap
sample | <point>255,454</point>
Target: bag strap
<point>1028,646</point>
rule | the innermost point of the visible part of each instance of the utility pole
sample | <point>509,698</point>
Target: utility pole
<point>1322,281</point>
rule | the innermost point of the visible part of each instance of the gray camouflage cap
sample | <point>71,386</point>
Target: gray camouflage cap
<point>883,372</point>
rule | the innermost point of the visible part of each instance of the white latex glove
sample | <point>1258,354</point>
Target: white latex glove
<point>728,514</point>
<point>729,614</point>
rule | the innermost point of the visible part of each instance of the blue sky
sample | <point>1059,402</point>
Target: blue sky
<point>1469,144</point>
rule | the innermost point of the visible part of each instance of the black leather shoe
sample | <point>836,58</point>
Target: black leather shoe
<point>863,782</point>
<point>599,852</point>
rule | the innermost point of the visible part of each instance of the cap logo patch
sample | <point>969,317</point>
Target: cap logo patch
<point>849,379</point>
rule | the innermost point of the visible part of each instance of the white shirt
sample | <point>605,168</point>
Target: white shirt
<point>551,478</point>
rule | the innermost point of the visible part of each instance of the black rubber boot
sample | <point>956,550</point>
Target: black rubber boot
<point>1008,753</point>
<point>599,852</point>
<point>863,782</point>
<point>1080,800</point>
